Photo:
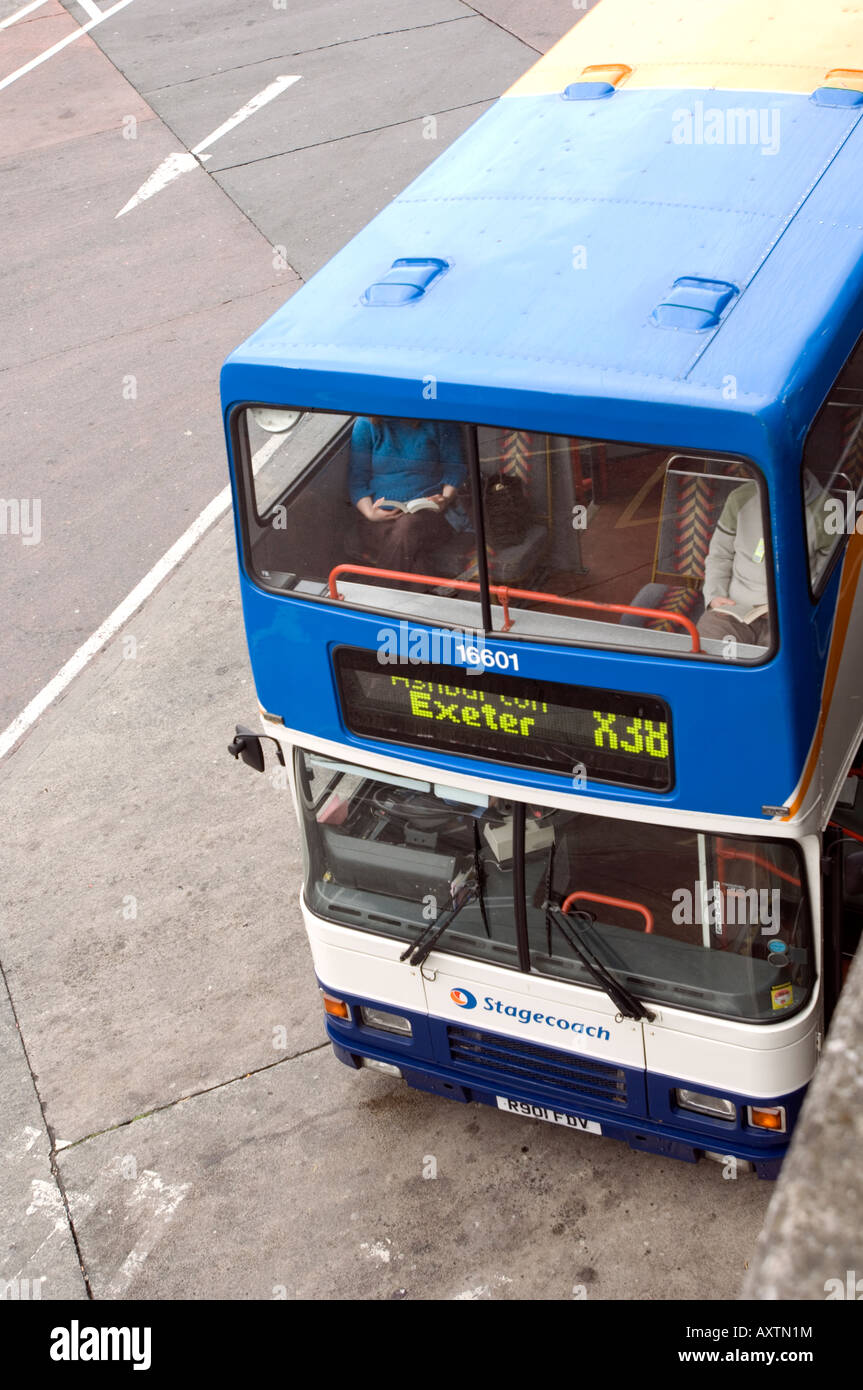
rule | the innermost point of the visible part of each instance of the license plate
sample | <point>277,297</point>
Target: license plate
<point>542,1112</point>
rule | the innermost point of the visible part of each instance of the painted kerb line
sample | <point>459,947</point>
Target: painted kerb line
<point>123,612</point>
<point>55,48</point>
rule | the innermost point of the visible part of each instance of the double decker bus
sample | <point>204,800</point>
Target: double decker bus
<point>546,493</point>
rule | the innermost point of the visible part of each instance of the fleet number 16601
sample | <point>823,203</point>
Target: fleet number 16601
<point>481,656</point>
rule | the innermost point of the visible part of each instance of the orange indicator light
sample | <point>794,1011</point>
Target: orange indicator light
<point>336,1008</point>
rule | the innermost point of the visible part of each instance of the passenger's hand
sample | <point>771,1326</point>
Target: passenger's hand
<point>721,602</point>
<point>380,513</point>
<point>373,511</point>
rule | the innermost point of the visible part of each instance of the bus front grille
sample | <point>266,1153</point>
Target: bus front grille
<point>489,1053</point>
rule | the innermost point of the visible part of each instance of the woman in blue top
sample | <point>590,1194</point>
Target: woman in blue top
<point>397,461</point>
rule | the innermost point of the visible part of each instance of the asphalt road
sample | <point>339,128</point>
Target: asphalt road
<point>159,1143</point>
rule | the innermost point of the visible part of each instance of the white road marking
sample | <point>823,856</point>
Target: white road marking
<point>150,1205</point>
<point>22,13</point>
<point>273,90</point>
<point>32,1136</point>
<point>182,163</point>
<point>55,48</point>
<point>266,451</point>
<point>168,170</point>
<point>92,10</point>
<point>131,603</point>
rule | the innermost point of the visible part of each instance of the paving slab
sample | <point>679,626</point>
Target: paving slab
<point>356,88</point>
<point>161,43</point>
<point>45,107</point>
<point>82,275</point>
<point>307,1182</point>
<point>31,35</point>
<point>313,201</point>
<point>38,1259</point>
<point>151,934</point>
<point>12,7</point>
<point>537,25</point>
<point>71,95</point>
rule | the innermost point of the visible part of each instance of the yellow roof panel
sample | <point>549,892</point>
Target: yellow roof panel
<point>745,45</point>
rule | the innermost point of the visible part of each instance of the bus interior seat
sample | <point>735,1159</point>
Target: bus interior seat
<point>689,510</point>
<point>524,455</point>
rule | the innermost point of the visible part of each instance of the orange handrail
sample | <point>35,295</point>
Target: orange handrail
<point>724,853</point>
<point>612,902</point>
<point>504,593</point>
<point>846,831</point>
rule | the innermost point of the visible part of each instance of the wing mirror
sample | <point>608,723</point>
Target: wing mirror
<point>249,746</point>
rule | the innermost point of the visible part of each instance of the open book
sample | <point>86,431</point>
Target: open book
<point>416,504</point>
<point>757,612</point>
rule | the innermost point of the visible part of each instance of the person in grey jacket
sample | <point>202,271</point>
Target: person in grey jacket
<point>735,577</point>
<point>736,598</point>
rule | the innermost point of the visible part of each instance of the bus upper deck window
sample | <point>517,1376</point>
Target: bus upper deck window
<point>365,502</point>
<point>832,479</point>
<point>585,533</point>
<point>586,542</point>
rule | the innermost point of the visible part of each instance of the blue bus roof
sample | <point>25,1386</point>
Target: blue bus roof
<point>586,245</point>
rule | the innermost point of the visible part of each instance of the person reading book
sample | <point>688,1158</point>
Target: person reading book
<point>416,504</point>
<point>735,581</point>
<point>736,600</point>
<point>402,476</point>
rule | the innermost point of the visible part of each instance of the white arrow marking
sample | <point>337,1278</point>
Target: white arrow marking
<point>181,163</point>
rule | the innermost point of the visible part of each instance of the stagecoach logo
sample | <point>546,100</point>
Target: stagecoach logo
<point>463,998</point>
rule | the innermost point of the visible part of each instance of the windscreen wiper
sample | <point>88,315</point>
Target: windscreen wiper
<point>419,950</point>
<point>465,889</point>
<point>628,1004</point>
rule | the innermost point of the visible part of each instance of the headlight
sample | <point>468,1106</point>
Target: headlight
<point>388,1068</point>
<point>381,1018</point>
<point>716,1106</point>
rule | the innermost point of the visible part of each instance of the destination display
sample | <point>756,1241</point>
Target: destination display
<point>577,731</point>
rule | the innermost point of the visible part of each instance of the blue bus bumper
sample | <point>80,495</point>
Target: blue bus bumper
<point>639,1110</point>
